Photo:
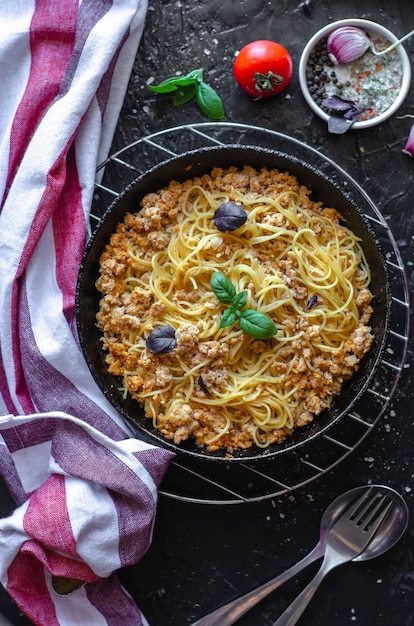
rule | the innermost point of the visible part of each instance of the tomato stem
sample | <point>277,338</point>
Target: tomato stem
<point>266,82</point>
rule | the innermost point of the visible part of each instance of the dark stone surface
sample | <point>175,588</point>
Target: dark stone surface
<point>204,555</point>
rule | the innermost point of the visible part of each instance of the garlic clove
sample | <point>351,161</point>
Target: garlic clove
<point>346,44</point>
<point>409,146</point>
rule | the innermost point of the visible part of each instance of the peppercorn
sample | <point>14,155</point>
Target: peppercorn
<point>318,72</point>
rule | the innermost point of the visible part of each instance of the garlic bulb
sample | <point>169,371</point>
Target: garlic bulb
<point>346,44</point>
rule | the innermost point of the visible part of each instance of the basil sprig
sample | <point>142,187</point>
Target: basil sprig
<point>251,322</point>
<point>192,85</point>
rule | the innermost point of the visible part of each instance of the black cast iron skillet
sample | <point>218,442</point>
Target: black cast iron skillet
<point>187,166</point>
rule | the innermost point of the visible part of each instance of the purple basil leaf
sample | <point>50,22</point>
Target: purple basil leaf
<point>229,216</point>
<point>312,302</point>
<point>203,385</point>
<point>354,112</point>
<point>161,340</point>
<point>339,125</point>
<point>336,103</point>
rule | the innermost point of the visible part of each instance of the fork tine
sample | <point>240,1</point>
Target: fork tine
<point>364,503</point>
<point>367,514</point>
<point>377,517</point>
<point>373,510</point>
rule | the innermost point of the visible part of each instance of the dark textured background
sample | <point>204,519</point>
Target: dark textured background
<point>204,555</point>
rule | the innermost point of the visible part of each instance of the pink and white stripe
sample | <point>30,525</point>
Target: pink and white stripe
<point>65,454</point>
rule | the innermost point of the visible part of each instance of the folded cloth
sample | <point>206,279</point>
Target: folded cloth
<point>89,510</point>
<point>85,490</point>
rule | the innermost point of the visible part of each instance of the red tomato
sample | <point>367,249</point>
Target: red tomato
<point>263,68</point>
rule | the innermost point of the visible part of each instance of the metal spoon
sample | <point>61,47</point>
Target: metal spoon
<point>391,531</point>
<point>392,46</point>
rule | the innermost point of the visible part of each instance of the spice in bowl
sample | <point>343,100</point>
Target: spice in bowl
<point>350,78</point>
<point>371,82</point>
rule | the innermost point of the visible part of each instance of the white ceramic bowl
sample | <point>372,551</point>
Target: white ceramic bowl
<point>373,29</point>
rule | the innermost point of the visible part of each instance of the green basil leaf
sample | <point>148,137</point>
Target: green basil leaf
<point>189,79</point>
<point>222,287</point>
<point>228,318</point>
<point>184,94</point>
<point>173,83</point>
<point>257,324</point>
<point>209,101</point>
<point>165,87</point>
<point>239,300</point>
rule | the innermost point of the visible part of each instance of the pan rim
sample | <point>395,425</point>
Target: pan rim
<point>196,451</point>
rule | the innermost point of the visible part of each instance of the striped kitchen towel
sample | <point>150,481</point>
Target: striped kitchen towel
<point>85,489</point>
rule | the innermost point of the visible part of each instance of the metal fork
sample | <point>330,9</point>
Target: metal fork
<point>347,538</point>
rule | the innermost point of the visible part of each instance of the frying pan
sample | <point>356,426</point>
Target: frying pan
<point>196,163</point>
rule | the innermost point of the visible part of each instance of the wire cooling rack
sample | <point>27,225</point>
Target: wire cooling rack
<point>199,481</point>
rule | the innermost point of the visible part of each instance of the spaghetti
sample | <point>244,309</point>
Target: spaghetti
<point>299,265</point>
